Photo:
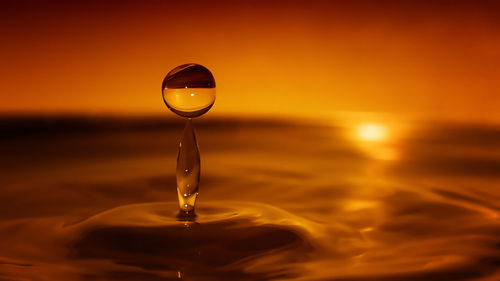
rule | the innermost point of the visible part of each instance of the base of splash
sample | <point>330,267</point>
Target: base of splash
<point>224,238</point>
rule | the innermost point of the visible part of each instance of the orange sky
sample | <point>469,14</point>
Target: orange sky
<point>281,57</point>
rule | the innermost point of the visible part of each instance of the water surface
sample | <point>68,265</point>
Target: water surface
<point>94,199</point>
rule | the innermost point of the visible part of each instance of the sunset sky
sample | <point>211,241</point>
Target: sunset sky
<point>435,58</point>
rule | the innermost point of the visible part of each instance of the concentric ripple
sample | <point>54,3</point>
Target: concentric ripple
<point>226,239</point>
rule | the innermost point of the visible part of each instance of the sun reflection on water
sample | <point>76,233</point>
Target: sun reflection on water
<point>375,140</point>
<point>372,132</point>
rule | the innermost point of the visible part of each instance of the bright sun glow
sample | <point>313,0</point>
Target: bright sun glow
<point>372,132</point>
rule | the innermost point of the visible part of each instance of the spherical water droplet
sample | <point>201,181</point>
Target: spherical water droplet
<point>189,90</point>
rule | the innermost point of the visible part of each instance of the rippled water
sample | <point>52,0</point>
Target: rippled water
<point>94,199</point>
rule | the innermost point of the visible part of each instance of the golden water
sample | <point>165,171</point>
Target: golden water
<point>97,200</point>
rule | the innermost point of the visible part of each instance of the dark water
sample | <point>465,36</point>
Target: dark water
<point>95,199</point>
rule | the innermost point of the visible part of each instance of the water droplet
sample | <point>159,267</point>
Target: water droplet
<point>189,90</point>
